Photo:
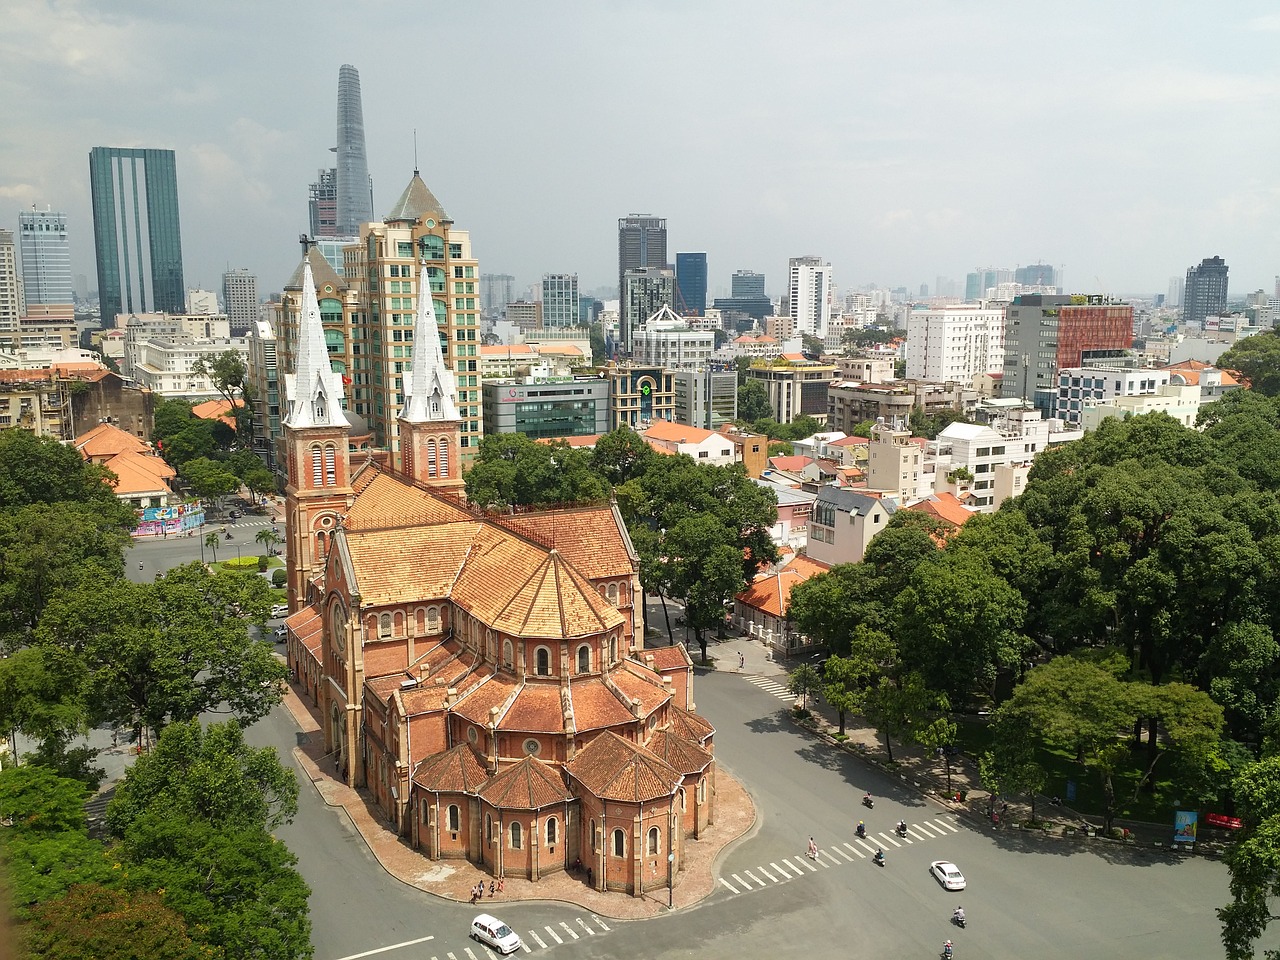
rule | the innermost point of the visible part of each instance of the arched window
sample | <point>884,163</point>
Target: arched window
<point>684,801</point>
<point>584,658</point>
<point>330,468</point>
<point>516,837</point>
<point>613,649</point>
<point>384,626</point>
<point>595,836</point>
<point>444,458</point>
<point>553,831</point>
<point>508,658</point>
<point>317,466</point>
<point>619,843</point>
<point>433,620</point>
<point>488,828</point>
<point>455,818</point>
<point>432,247</point>
<point>613,594</point>
<point>702,790</point>
<point>653,840</point>
<point>431,458</point>
<point>425,808</point>
<point>542,661</point>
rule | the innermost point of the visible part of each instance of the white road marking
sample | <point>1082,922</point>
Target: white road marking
<point>808,864</point>
<point>784,873</point>
<point>891,839</point>
<point>919,833</point>
<point>468,952</point>
<point>541,942</point>
<point>754,877</point>
<point>603,925</point>
<point>848,858</point>
<point>569,930</point>
<point>824,862</point>
<point>852,848</point>
<point>583,924</point>
<point>924,828</point>
<point>394,946</point>
<point>554,935</point>
<point>524,946</point>
<point>772,878</point>
<point>870,848</point>
<point>948,826</point>
<point>732,888</point>
<point>743,882</point>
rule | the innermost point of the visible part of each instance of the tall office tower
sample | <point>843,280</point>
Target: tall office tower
<point>496,291</point>
<point>240,299</point>
<point>12,306</point>
<point>1044,333</point>
<point>1174,296</point>
<point>809,294</point>
<point>691,284</point>
<point>642,245</point>
<point>746,283</point>
<point>954,342</point>
<point>560,300</point>
<point>355,192</point>
<point>1205,294</point>
<point>977,285</point>
<point>644,293</point>
<point>322,204</point>
<point>1036,275</point>
<point>136,233</point>
<point>46,257</point>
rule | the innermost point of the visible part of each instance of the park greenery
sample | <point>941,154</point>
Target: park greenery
<point>189,867</point>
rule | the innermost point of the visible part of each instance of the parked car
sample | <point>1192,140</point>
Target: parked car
<point>280,610</point>
<point>279,634</point>
<point>233,514</point>
<point>495,933</point>
<point>947,874</point>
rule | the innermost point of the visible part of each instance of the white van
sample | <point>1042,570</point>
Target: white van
<point>495,933</point>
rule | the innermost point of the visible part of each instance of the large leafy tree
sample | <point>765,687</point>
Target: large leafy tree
<point>91,920</point>
<point>514,470</point>
<point>1254,860</point>
<point>753,401</point>
<point>210,480</point>
<point>831,607</point>
<point>847,681</point>
<point>1257,358</point>
<point>621,455</point>
<point>41,470</point>
<point>44,704</point>
<point>152,653</point>
<point>228,374</point>
<point>900,706</point>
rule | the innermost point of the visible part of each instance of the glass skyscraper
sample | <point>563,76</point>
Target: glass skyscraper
<point>46,257</point>
<point>136,232</point>
<point>691,284</point>
<point>560,300</point>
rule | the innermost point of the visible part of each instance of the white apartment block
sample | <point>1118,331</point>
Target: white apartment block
<point>665,340</point>
<point>1080,387</point>
<point>762,347</point>
<point>997,458</point>
<point>1180,401</point>
<point>165,365</point>
<point>809,289</point>
<point>956,342</point>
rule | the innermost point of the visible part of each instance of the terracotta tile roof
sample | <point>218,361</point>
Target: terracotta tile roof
<point>849,442</point>
<point>106,440</point>
<point>215,410</point>
<point>496,691</point>
<point>537,709</point>
<point>595,706</point>
<point>517,588</point>
<point>305,624</point>
<point>414,563</point>
<point>528,784</point>
<point>592,538</point>
<point>669,432</point>
<point>638,682</point>
<point>670,658</point>
<point>458,770</point>
<point>771,592</point>
<point>139,473</point>
<point>684,755</point>
<point>384,501</point>
<point>612,768</point>
<point>584,441</point>
<point>424,698</point>
<point>519,351</point>
<point>806,566</point>
<point>383,688</point>
<point>790,463</point>
<point>568,349</point>
<point>688,725</point>
<point>945,507</point>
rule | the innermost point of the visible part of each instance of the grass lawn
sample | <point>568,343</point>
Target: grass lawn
<point>1153,807</point>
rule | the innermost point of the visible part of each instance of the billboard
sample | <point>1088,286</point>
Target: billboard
<point>1184,826</point>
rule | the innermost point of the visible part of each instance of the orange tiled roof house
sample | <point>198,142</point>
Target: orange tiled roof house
<point>483,678</point>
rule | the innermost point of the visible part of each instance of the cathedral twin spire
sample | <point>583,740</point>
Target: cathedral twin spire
<point>430,388</point>
<point>314,390</point>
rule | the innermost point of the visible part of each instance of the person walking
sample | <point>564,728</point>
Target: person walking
<point>813,849</point>
<point>742,660</point>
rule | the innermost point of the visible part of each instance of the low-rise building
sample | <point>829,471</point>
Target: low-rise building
<point>850,404</point>
<point>796,385</point>
<point>706,397</point>
<point>546,406</point>
<point>1179,400</point>
<point>761,610</point>
<point>761,347</point>
<point>843,522</point>
<point>752,449</point>
<point>666,340</point>
<point>864,369</point>
<point>705,446</point>
<point>983,465</point>
<point>639,395</point>
<point>166,365</point>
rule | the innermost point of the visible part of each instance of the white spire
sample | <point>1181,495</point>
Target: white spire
<point>314,391</point>
<point>430,388</point>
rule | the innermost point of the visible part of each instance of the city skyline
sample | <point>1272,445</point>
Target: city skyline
<point>972,149</point>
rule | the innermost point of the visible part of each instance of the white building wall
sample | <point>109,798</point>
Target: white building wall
<point>809,288</point>
<point>955,342</point>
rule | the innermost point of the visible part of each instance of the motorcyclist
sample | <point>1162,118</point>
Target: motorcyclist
<point>902,827</point>
<point>867,800</point>
<point>958,916</point>
<point>879,856</point>
<point>139,564</point>
<point>946,949</point>
<point>862,829</point>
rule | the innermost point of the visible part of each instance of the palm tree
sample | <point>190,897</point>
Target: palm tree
<point>269,539</point>
<point>211,541</point>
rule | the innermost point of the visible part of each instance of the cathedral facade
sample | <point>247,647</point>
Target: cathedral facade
<point>483,678</point>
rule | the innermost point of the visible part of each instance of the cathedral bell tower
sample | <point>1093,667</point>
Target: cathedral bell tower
<point>316,446</point>
<point>429,421</point>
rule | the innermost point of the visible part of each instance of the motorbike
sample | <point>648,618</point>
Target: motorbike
<point>878,859</point>
<point>227,535</point>
<point>958,920</point>
<point>946,951</point>
<point>901,829</point>
<point>861,831</point>
<point>868,802</point>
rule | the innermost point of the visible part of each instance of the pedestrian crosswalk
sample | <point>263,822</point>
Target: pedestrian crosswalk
<point>835,855</point>
<point>543,937</point>
<point>779,690</point>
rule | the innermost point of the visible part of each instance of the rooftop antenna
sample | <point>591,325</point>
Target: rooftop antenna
<point>415,151</point>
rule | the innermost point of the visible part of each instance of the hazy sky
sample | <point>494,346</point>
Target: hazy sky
<point>902,142</point>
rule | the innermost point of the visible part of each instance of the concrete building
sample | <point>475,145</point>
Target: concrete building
<point>1081,387</point>
<point>262,369</point>
<point>145,326</point>
<point>13,305</point>
<point>1205,292</point>
<point>240,297</point>
<point>665,340</point>
<point>809,295</point>
<point>322,204</point>
<point>983,465</point>
<point>644,293</point>
<point>46,257</point>
<point>865,369</point>
<point>691,284</point>
<point>639,395</point>
<point>895,464</point>
<point>1174,398</point>
<point>705,446</point>
<point>852,403</point>
<point>843,522</point>
<point>496,291</point>
<point>353,188</point>
<point>202,302</point>
<point>1044,333</point>
<point>136,231</point>
<point>546,406</point>
<point>165,365</point>
<point>706,397</point>
<point>560,304</point>
<point>524,314</point>
<point>797,386</point>
<point>761,347</point>
<point>955,342</point>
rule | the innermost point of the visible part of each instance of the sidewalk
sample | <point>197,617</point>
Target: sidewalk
<point>455,879</point>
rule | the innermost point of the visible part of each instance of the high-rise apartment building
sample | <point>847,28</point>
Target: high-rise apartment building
<point>691,284</point>
<point>747,296</point>
<point>809,294</point>
<point>1036,275</point>
<point>240,298</point>
<point>322,204</point>
<point>1205,293</point>
<point>12,305</point>
<point>46,257</point>
<point>706,397</point>
<point>560,300</point>
<point>354,190</point>
<point>955,342</point>
<point>746,283</point>
<point>496,291</point>
<point>136,233</point>
<point>642,245</point>
<point>1174,297</point>
<point>1045,333</point>
<point>644,293</point>
<point>977,285</point>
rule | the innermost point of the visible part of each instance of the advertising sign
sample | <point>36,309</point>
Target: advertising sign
<point>1184,826</point>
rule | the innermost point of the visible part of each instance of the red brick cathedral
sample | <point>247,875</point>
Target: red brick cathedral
<point>483,677</point>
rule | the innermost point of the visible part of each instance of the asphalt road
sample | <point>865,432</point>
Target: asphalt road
<point>1027,898</point>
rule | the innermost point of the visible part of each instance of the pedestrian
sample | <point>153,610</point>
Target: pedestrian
<point>742,659</point>
<point>501,881</point>
<point>813,849</point>
<point>493,886</point>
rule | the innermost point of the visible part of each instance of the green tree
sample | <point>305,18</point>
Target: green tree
<point>227,373</point>
<point>200,439</point>
<point>938,735</point>
<point>152,653</point>
<point>209,480</point>
<point>260,481</point>
<point>753,401</point>
<point>896,706</point>
<point>91,920</point>
<point>513,469</point>
<point>803,682</point>
<point>1257,358</point>
<point>707,571</point>
<point>43,703</point>
<point>847,681</point>
<point>269,539</point>
<point>599,349</point>
<point>832,607</point>
<point>42,470</point>
<point>621,455</point>
<point>1012,766</point>
<point>1253,859</point>
<point>172,417</point>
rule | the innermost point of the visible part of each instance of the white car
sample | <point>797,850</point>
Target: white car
<point>280,610</point>
<point>947,874</point>
<point>495,933</point>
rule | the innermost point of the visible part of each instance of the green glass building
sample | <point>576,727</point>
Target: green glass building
<point>136,233</point>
